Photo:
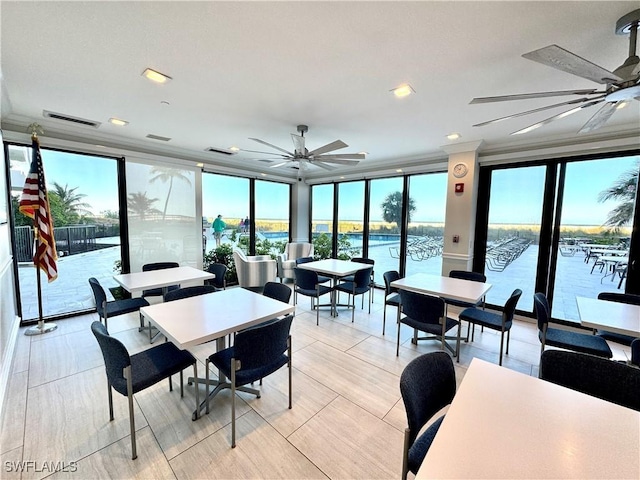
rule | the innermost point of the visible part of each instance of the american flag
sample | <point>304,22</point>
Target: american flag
<point>34,203</point>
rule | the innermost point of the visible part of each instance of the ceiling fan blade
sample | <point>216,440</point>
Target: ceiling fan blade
<point>298,143</point>
<point>264,153</point>
<point>556,117</point>
<point>343,156</point>
<point>526,96</point>
<point>272,146</point>
<point>322,165</point>
<point>329,147</point>
<point>337,161</point>
<point>561,59</point>
<point>570,102</point>
<point>279,164</point>
<point>600,117</point>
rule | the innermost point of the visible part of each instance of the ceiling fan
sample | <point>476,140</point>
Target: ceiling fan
<point>621,86</point>
<point>303,157</point>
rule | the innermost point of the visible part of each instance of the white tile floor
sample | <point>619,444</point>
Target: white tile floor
<point>347,419</point>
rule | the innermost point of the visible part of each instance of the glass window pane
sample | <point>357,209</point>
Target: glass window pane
<point>596,219</point>
<point>272,216</point>
<point>322,220</point>
<point>384,230</point>
<point>427,207</point>
<point>161,206</point>
<point>229,197</point>
<point>83,196</point>
<point>350,219</point>
<point>515,214</point>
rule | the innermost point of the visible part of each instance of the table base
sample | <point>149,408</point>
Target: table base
<point>219,386</point>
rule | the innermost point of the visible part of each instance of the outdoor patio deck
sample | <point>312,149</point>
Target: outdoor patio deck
<point>71,292</point>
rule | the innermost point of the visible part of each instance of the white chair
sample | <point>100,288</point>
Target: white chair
<point>254,271</point>
<point>287,260</point>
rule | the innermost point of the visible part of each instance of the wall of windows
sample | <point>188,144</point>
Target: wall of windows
<point>562,227</point>
<point>421,249</point>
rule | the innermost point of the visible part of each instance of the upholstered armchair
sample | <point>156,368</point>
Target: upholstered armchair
<point>254,271</point>
<point>287,260</point>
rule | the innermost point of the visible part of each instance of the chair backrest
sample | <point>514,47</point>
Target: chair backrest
<point>219,270</point>
<point>596,376</point>
<point>510,305</point>
<point>390,276</point>
<point>159,266</point>
<point>635,352</point>
<point>239,256</point>
<point>277,291</point>
<point>362,278</point>
<point>115,354</point>
<point>295,250</point>
<point>98,294</point>
<point>620,297</point>
<point>368,261</point>
<point>464,275</point>
<point>541,307</point>
<point>303,260</point>
<point>427,384</point>
<point>423,308</point>
<point>186,292</point>
<point>305,279</point>
<point>263,344</point>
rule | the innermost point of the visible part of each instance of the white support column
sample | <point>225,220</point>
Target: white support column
<point>300,212</point>
<point>462,193</point>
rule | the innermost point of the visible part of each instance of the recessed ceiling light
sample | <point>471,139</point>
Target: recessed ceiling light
<point>234,149</point>
<point>118,122</point>
<point>403,90</point>
<point>399,170</point>
<point>199,165</point>
<point>342,177</point>
<point>155,76</point>
<point>263,174</point>
<point>453,136</point>
<point>363,153</point>
<point>622,104</point>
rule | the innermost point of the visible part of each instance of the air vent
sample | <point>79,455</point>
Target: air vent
<point>219,150</point>
<point>69,118</point>
<point>158,137</point>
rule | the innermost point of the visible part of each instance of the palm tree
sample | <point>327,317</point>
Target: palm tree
<point>392,208</point>
<point>165,174</point>
<point>139,204</point>
<point>624,190</point>
<point>71,202</point>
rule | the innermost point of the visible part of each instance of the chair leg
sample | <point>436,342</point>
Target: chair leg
<point>398,342</point>
<point>104,310</point>
<point>132,422</point>
<point>458,342</point>
<point>290,370</point>
<point>181,386</point>
<point>195,385</point>
<point>206,392</point>
<point>353,304</point>
<point>170,384</point>
<point>501,347</point>
<point>508,337</point>
<point>233,403</point>
<point>110,394</point>
<point>384,317</point>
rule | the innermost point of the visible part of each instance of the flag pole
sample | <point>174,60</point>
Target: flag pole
<point>41,327</point>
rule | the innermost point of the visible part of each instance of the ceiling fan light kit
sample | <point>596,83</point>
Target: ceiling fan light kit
<point>621,86</point>
<point>301,157</point>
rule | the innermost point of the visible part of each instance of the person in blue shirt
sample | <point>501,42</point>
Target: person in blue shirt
<point>218,227</point>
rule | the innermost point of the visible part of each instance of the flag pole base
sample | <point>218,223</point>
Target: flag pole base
<point>40,329</point>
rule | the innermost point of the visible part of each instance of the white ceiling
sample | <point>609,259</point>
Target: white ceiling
<point>258,69</point>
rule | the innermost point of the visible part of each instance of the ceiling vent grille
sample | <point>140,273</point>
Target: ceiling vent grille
<point>222,151</point>
<point>158,137</point>
<point>69,118</point>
